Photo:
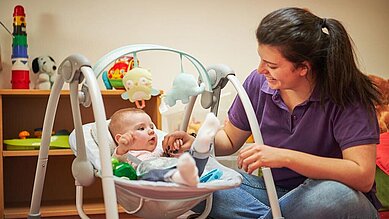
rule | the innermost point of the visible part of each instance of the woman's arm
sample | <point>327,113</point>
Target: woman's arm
<point>229,139</point>
<point>356,169</point>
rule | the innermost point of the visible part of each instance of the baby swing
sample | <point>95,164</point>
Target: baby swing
<point>142,198</point>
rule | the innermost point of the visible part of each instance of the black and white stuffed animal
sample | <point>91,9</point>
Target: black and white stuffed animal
<point>45,67</point>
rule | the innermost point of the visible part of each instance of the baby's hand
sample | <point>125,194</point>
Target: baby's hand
<point>125,141</point>
<point>173,151</point>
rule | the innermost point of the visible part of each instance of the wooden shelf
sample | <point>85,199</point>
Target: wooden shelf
<point>47,92</point>
<point>27,153</point>
<point>24,109</point>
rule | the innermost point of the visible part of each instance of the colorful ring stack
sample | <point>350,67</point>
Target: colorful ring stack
<point>20,70</point>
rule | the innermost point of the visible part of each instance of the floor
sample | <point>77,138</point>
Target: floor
<point>121,216</point>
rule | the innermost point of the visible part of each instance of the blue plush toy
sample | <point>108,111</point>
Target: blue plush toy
<point>184,86</point>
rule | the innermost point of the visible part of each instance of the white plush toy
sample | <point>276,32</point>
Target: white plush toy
<point>138,85</point>
<point>184,86</point>
<point>45,67</point>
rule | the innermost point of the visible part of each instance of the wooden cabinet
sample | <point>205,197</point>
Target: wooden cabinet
<point>25,110</point>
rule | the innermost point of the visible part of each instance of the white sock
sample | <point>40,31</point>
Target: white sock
<point>187,173</point>
<point>206,134</point>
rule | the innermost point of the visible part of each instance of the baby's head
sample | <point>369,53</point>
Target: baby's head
<point>136,122</point>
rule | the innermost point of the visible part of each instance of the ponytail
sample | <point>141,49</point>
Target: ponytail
<point>345,83</point>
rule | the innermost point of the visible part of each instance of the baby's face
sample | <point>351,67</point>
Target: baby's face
<point>142,129</point>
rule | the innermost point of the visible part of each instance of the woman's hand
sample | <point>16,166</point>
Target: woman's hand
<point>255,156</point>
<point>176,143</point>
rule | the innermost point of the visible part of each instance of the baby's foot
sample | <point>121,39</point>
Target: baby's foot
<point>187,173</point>
<point>206,134</point>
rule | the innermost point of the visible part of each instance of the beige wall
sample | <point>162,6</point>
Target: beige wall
<point>214,31</point>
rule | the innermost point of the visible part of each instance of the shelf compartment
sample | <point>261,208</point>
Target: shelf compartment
<point>24,109</point>
<point>92,208</point>
<point>30,153</point>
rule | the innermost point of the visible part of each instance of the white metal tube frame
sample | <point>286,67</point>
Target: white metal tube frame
<point>72,70</point>
<point>218,74</point>
<point>268,178</point>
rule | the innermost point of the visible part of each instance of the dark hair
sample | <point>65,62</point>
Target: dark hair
<point>302,36</point>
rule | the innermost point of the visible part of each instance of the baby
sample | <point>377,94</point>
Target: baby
<point>133,131</point>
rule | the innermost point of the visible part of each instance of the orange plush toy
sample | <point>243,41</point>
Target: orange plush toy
<point>382,111</point>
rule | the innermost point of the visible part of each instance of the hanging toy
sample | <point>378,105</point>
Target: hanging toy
<point>113,78</point>
<point>138,85</point>
<point>184,86</point>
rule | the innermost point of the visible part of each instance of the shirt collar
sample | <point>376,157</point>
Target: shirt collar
<point>266,89</point>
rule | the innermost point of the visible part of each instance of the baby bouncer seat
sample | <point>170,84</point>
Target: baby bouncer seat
<point>93,156</point>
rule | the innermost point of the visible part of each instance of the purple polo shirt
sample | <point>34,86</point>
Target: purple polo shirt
<point>319,129</point>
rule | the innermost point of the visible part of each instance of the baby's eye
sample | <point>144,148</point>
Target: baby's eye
<point>141,128</point>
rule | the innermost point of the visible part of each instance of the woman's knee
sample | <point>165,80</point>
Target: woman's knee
<point>337,194</point>
<point>326,199</point>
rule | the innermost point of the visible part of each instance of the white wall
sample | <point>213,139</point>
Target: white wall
<point>214,31</point>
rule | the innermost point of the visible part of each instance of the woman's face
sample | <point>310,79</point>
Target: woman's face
<point>279,72</point>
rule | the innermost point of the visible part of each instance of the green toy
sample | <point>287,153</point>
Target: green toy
<point>123,169</point>
<point>56,142</point>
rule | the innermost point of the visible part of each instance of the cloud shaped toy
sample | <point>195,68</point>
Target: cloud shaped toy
<point>184,86</point>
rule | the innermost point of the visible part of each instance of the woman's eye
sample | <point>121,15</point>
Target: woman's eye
<point>271,67</point>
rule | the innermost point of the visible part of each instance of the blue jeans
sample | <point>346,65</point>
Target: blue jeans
<point>312,199</point>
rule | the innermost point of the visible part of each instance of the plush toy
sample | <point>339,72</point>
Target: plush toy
<point>114,76</point>
<point>383,119</point>
<point>184,86</point>
<point>138,85</point>
<point>45,67</point>
<point>193,126</point>
<point>383,110</point>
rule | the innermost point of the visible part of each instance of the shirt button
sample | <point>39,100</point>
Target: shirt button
<point>294,117</point>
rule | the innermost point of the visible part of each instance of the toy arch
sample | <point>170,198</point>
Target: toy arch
<point>110,57</point>
<point>106,60</point>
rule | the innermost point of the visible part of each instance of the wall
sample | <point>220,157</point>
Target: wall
<point>217,31</point>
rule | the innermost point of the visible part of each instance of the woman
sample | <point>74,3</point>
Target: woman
<point>316,114</point>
